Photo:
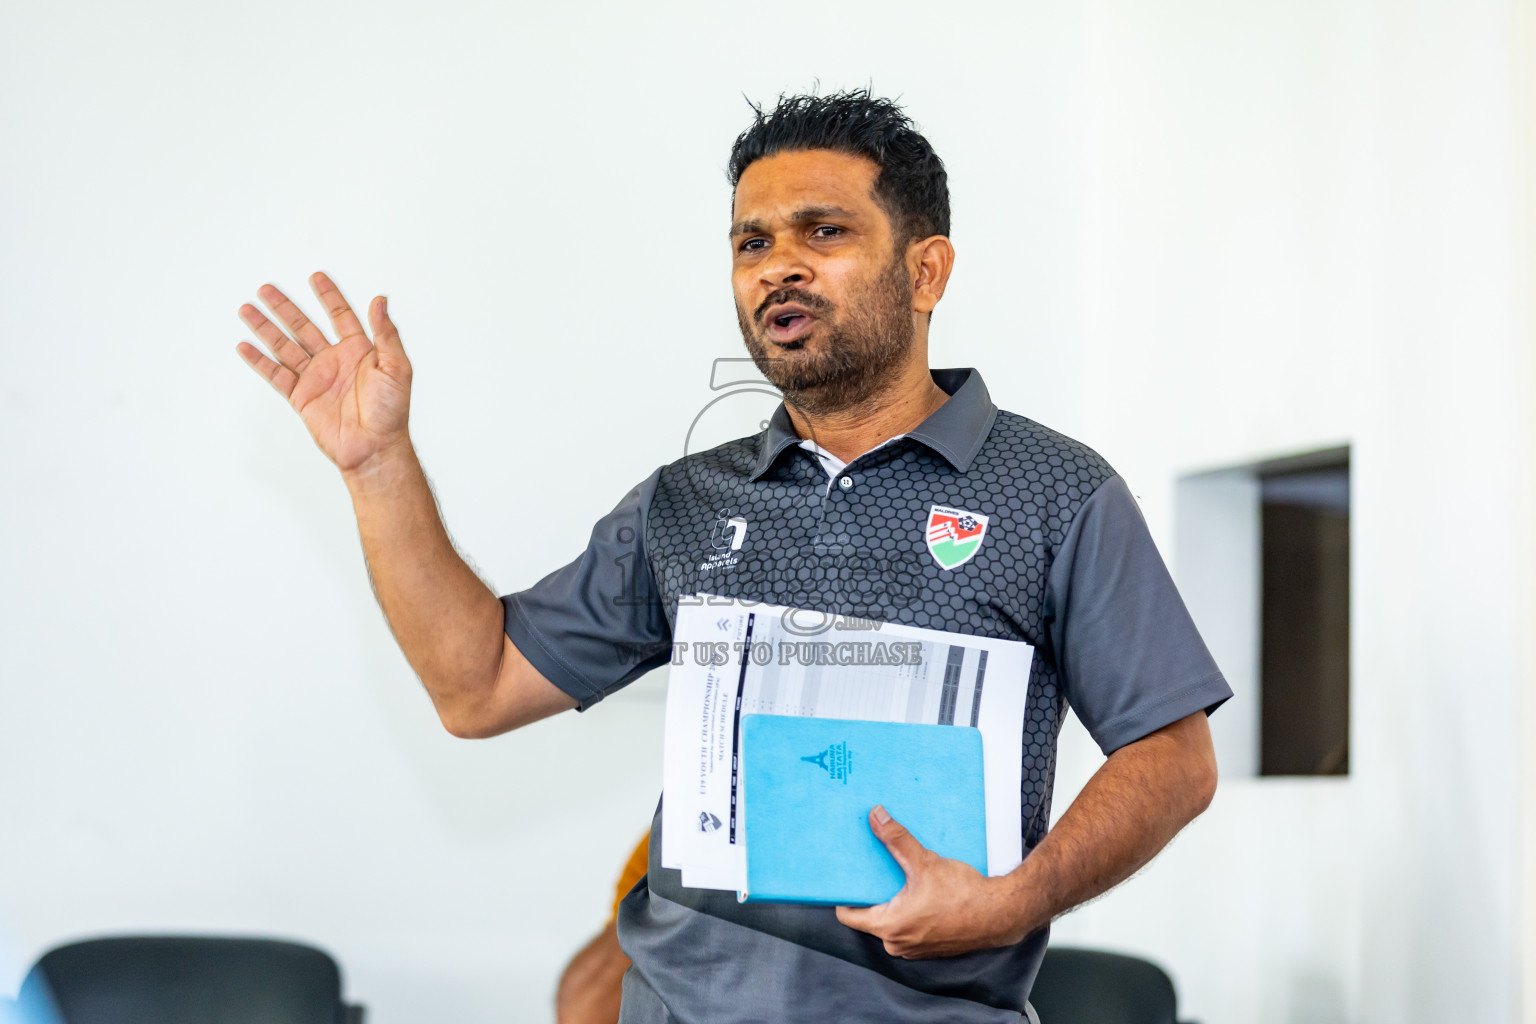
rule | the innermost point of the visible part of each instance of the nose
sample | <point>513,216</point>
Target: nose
<point>787,264</point>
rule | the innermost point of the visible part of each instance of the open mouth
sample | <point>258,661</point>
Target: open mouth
<point>789,323</point>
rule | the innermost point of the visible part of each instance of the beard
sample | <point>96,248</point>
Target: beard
<point>860,355</point>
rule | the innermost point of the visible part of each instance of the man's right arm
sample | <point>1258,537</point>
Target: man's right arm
<point>446,620</point>
<point>353,397</point>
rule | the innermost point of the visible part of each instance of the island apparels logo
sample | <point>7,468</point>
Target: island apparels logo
<point>726,538</point>
<point>835,761</point>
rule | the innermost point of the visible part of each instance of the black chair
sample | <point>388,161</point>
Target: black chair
<point>185,980</point>
<point>1086,986</point>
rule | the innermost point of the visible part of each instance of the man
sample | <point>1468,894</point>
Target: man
<point>840,252</point>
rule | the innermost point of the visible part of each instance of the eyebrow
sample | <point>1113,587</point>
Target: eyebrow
<point>800,216</point>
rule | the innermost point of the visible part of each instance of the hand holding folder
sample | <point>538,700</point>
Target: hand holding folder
<point>945,907</point>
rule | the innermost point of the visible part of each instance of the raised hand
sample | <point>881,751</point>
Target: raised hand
<point>353,396</point>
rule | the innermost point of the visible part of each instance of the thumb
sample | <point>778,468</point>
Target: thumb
<point>909,853</point>
<point>386,337</point>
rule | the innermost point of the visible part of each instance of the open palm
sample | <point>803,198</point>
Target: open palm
<point>353,396</point>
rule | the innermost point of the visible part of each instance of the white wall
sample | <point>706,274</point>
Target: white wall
<point>1526,114</point>
<point>1217,562</point>
<point>1300,232</point>
<point>1168,216</point>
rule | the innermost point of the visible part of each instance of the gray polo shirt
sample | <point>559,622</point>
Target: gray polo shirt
<point>1065,563</point>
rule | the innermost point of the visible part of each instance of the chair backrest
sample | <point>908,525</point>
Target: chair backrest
<point>185,980</point>
<point>1086,986</point>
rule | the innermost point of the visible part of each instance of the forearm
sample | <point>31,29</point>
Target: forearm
<point>446,620</point>
<point>1133,805</point>
<point>592,985</point>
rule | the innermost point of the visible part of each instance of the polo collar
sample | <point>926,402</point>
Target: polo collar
<point>955,430</point>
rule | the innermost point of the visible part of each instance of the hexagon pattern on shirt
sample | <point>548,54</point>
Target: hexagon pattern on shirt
<point>862,550</point>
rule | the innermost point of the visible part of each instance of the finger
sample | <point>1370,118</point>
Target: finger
<point>864,919</point>
<point>909,853</point>
<point>280,377</point>
<point>386,337</point>
<point>342,317</point>
<point>310,338</point>
<point>279,344</point>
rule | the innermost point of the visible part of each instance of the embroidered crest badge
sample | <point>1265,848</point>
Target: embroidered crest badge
<point>954,535</point>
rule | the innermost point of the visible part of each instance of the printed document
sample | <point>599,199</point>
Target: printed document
<point>732,658</point>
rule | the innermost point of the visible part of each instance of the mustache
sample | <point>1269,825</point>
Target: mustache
<point>814,303</point>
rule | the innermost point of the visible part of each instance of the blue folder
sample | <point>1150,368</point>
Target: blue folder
<point>807,787</point>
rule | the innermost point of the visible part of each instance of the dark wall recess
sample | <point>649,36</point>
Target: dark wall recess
<point>1304,657</point>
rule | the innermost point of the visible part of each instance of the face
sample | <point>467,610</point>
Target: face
<point>823,293</point>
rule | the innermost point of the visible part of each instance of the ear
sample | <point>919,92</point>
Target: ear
<point>931,260</point>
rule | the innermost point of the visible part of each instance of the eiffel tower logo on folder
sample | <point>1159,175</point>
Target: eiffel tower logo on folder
<point>834,761</point>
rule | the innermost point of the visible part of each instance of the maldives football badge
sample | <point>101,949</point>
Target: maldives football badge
<point>954,535</point>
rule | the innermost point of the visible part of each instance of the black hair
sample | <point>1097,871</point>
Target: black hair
<point>912,186</point>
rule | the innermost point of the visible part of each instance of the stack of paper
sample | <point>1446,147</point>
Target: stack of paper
<point>734,658</point>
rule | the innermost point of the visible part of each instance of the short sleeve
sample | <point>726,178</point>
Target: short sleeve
<point>598,623</point>
<point>1130,658</point>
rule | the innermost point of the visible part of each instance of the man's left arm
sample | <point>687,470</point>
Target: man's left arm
<point>1134,804</point>
<point>1134,669</point>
